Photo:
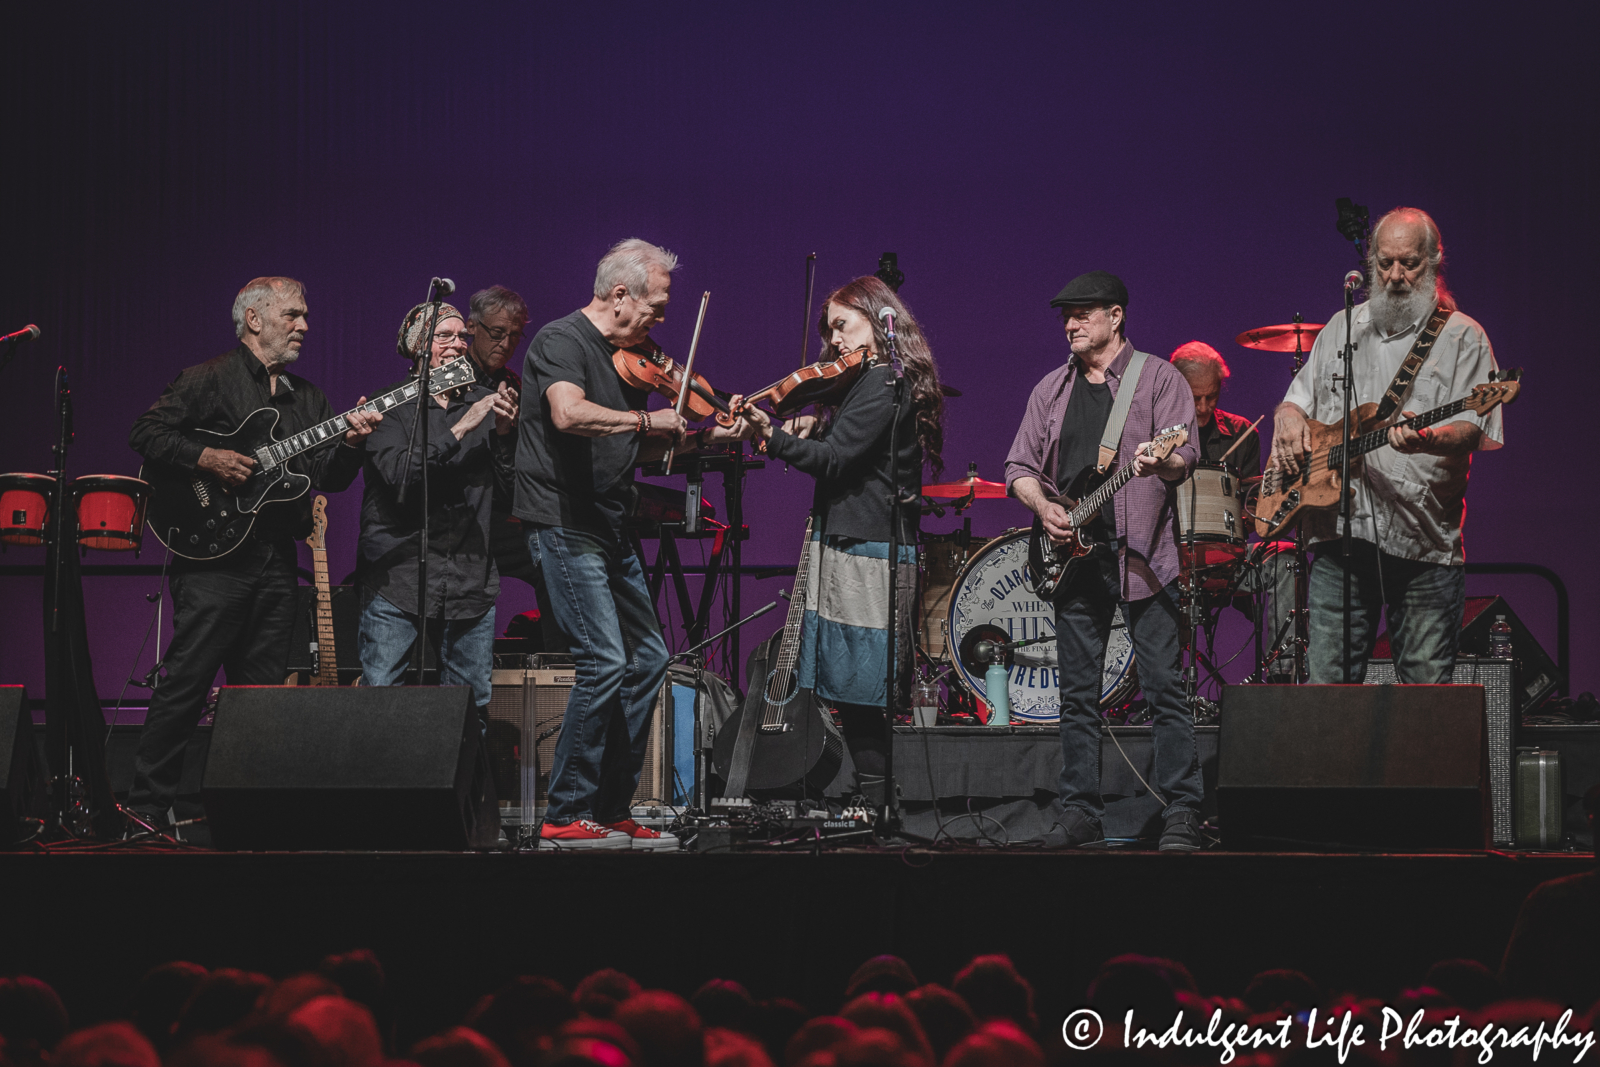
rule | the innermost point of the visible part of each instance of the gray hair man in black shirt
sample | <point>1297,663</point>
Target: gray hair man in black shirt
<point>235,611</point>
<point>582,430</point>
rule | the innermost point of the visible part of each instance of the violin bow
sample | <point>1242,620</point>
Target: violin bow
<point>805,316</point>
<point>688,377</point>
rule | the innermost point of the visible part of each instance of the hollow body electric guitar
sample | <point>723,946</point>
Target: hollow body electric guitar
<point>1316,485</point>
<point>197,517</point>
<point>784,735</point>
<point>1050,565</point>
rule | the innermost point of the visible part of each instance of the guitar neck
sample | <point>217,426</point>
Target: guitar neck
<point>1097,499</point>
<point>327,656</point>
<point>1361,444</point>
<point>789,648</point>
<point>280,452</point>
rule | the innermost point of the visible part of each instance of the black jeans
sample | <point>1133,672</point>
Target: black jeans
<point>239,617</point>
<point>1083,623</point>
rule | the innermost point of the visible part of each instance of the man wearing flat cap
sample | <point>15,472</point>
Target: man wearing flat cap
<point>1134,567</point>
<point>470,453</point>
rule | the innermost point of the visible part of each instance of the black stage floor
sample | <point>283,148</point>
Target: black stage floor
<point>452,926</point>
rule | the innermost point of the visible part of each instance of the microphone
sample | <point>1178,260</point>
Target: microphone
<point>1354,280</point>
<point>27,333</point>
<point>886,316</point>
<point>443,286</point>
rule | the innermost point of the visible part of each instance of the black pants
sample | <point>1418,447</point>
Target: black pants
<point>237,616</point>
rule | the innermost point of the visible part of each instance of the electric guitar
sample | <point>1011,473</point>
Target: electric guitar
<point>327,655</point>
<point>784,735</point>
<point>1051,565</point>
<point>1316,485</point>
<point>197,517</point>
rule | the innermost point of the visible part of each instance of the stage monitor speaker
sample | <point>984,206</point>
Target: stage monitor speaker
<point>21,786</point>
<point>309,768</point>
<point>1537,674</point>
<point>1352,767</point>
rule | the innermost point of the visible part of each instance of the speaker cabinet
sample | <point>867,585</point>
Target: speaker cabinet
<point>1497,678</point>
<point>1352,767</point>
<point>363,768</point>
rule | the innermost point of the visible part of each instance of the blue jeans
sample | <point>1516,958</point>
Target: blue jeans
<point>600,601</point>
<point>1425,602</point>
<point>464,650</point>
<point>1083,624</point>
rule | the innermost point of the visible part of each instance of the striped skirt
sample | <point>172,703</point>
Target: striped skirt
<point>844,653</point>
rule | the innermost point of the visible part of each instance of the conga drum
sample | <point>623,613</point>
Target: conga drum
<point>110,511</point>
<point>25,508</point>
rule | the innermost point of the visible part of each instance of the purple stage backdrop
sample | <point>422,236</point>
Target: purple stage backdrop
<point>161,155</point>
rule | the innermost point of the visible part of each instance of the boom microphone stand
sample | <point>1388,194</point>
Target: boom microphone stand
<point>438,289</point>
<point>1352,281</point>
<point>889,814</point>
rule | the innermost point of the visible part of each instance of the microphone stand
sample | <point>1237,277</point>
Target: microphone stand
<point>889,814</point>
<point>1345,492</point>
<point>419,432</point>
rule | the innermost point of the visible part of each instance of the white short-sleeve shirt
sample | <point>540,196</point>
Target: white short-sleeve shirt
<point>1410,506</point>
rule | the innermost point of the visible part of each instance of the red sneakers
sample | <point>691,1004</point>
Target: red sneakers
<point>584,834</point>
<point>644,839</point>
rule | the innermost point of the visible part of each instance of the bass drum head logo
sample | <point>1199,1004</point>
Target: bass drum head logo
<point>994,590</point>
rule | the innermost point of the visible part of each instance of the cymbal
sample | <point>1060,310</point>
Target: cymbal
<point>949,390</point>
<point>971,485</point>
<point>1281,338</point>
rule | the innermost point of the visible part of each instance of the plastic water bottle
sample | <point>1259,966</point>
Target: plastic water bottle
<point>1500,638</point>
<point>997,692</point>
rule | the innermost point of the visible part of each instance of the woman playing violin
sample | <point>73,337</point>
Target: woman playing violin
<point>844,652</point>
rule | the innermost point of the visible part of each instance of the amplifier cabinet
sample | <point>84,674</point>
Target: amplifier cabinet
<point>1496,677</point>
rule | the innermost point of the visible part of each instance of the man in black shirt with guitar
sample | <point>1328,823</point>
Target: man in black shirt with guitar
<point>232,597</point>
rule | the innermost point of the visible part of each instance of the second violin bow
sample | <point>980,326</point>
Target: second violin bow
<point>688,377</point>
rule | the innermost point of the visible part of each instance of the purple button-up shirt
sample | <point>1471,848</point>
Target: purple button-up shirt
<point>1147,545</point>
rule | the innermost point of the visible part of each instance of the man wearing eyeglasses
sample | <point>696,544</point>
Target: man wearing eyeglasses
<point>1134,567</point>
<point>470,451</point>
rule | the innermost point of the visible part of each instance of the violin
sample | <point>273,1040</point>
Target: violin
<point>815,383</point>
<point>645,366</point>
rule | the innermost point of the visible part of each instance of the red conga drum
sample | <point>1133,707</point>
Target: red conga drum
<point>110,511</point>
<point>25,508</point>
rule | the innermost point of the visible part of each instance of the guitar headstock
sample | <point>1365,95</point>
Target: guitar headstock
<point>1502,390</point>
<point>1162,444</point>
<point>317,541</point>
<point>456,374</point>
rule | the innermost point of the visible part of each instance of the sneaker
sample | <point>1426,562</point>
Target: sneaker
<point>581,833</point>
<point>1082,829</point>
<point>644,839</point>
<point>1181,832</point>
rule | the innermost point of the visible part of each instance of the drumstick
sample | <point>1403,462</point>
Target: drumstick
<point>1240,441</point>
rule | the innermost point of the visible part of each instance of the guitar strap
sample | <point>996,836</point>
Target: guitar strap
<point>1112,438</point>
<point>1411,364</point>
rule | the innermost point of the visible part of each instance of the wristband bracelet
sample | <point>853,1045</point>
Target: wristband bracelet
<point>647,426</point>
<point>638,423</point>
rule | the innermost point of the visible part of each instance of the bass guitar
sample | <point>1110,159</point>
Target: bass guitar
<point>1317,483</point>
<point>1051,565</point>
<point>197,517</point>
<point>784,735</point>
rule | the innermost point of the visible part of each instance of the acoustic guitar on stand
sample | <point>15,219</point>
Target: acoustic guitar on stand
<point>1316,484</point>
<point>1050,565</point>
<point>327,654</point>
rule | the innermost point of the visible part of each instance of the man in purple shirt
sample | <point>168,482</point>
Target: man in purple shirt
<point>1058,439</point>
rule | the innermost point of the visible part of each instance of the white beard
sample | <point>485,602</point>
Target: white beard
<point>1394,308</point>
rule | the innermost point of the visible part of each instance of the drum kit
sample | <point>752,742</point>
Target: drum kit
<point>107,510</point>
<point>977,589</point>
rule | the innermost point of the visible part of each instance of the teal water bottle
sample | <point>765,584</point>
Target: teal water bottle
<point>997,692</point>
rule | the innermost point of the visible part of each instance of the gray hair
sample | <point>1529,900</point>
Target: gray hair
<point>1432,243</point>
<point>1198,358</point>
<point>258,293</point>
<point>628,263</point>
<point>496,298</point>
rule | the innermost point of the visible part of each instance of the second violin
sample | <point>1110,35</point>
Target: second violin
<point>816,383</point>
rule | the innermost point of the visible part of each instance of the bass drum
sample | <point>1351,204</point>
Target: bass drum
<point>994,590</point>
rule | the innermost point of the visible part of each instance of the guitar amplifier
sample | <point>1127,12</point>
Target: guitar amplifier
<point>529,701</point>
<point>1496,677</point>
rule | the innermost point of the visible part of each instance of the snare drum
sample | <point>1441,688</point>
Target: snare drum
<point>993,591</point>
<point>25,508</point>
<point>110,511</point>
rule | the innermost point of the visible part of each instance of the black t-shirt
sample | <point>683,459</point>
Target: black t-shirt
<point>581,483</point>
<point>1088,408</point>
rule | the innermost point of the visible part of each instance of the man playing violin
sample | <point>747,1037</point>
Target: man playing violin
<point>581,432</point>
<point>1135,565</point>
